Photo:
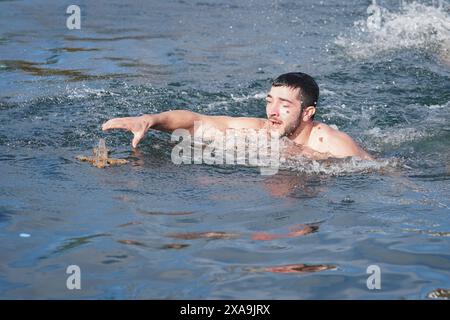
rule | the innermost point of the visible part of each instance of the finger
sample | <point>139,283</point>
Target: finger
<point>117,123</point>
<point>108,124</point>
<point>137,137</point>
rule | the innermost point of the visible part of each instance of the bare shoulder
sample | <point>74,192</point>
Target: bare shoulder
<point>322,136</point>
<point>338,143</point>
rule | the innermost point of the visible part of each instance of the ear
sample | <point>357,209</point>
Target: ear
<point>308,112</point>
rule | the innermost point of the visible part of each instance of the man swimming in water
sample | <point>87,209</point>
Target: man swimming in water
<point>290,109</point>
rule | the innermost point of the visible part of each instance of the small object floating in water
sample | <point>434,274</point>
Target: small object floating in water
<point>439,294</point>
<point>100,158</point>
<point>24,235</point>
<point>347,200</point>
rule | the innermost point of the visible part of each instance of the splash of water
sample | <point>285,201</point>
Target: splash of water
<point>414,26</point>
<point>340,167</point>
<point>236,99</point>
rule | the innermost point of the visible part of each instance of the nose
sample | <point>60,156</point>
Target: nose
<point>274,111</point>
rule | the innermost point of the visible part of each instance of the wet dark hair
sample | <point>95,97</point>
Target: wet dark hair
<point>309,90</point>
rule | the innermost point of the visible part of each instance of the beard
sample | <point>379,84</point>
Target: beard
<point>290,128</point>
<point>286,129</point>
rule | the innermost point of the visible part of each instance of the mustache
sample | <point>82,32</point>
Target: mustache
<point>275,120</point>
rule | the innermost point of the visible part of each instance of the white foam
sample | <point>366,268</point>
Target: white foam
<point>394,137</point>
<point>415,25</point>
<point>233,98</point>
<point>84,92</point>
<point>420,123</point>
<point>338,167</point>
<point>332,166</point>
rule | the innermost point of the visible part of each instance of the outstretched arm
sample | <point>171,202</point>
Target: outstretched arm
<point>178,119</point>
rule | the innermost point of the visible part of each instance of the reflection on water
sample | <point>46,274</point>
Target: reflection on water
<point>72,243</point>
<point>175,246</point>
<point>131,242</point>
<point>157,213</point>
<point>295,231</point>
<point>73,49</point>
<point>299,268</point>
<point>36,69</point>
<point>213,235</point>
<point>153,229</point>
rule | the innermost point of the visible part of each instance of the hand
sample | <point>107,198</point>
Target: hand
<point>137,125</point>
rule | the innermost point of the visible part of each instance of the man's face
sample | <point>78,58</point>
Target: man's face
<point>283,110</point>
